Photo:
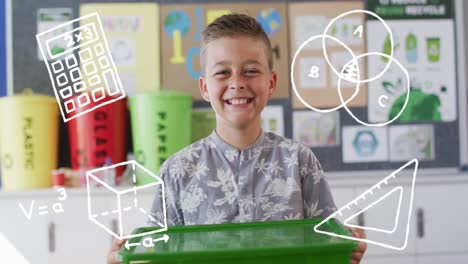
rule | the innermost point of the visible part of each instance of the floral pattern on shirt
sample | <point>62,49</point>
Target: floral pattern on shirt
<point>211,182</point>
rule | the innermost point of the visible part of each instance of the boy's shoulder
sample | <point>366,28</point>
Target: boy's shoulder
<point>288,145</point>
<point>190,153</point>
<point>282,142</point>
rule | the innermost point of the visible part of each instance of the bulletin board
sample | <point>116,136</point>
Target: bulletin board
<point>339,141</point>
<point>427,129</point>
<point>310,19</point>
<point>3,45</point>
<point>25,23</point>
<point>181,28</point>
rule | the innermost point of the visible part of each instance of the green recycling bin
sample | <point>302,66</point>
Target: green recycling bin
<point>279,242</point>
<point>161,125</point>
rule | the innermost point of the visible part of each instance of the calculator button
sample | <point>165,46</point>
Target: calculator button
<point>62,79</point>
<point>66,92</point>
<point>79,86</point>
<point>103,62</point>
<point>71,61</point>
<point>99,49</point>
<point>98,94</point>
<point>83,99</point>
<point>69,106</point>
<point>57,66</point>
<point>111,83</point>
<point>94,80</point>
<point>85,55</point>
<point>75,74</point>
<point>90,68</point>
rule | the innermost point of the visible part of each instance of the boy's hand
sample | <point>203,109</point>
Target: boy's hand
<point>357,254</point>
<point>112,256</point>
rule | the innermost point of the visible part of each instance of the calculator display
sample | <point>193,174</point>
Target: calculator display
<point>73,39</point>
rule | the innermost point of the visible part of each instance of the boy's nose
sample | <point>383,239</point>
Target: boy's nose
<point>237,82</point>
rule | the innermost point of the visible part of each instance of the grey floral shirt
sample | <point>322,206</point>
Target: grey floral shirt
<point>211,182</point>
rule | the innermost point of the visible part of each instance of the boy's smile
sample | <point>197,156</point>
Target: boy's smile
<point>239,102</point>
<point>237,80</point>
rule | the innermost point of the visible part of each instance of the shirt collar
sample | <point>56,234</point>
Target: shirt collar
<point>224,146</point>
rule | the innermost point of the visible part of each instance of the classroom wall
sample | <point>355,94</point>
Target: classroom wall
<point>463,73</point>
<point>3,60</point>
<point>30,72</point>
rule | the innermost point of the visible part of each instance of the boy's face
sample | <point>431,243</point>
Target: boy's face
<point>237,80</point>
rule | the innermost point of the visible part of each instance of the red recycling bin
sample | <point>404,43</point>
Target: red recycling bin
<point>99,135</point>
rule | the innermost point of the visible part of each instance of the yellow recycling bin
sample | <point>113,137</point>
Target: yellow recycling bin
<point>28,141</point>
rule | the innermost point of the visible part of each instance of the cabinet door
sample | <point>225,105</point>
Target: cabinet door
<point>390,260</point>
<point>28,236</point>
<point>442,212</point>
<point>437,259</point>
<point>342,195</point>
<point>77,239</point>
<point>383,216</point>
<point>135,211</point>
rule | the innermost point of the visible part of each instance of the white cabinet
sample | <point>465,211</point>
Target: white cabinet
<point>80,240</point>
<point>383,216</point>
<point>29,237</point>
<point>75,238</point>
<point>438,231</point>
<point>137,216</point>
<point>443,210</point>
<point>342,195</point>
<point>389,260</point>
<point>438,227</point>
<point>448,258</point>
<point>69,236</point>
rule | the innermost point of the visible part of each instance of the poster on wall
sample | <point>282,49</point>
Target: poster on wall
<point>315,129</point>
<point>132,31</point>
<point>424,44</point>
<point>181,28</point>
<point>272,119</point>
<point>364,144</point>
<point>48,18</point>
<point>203,123</point>
<point>3,50</point>
<point>412,141</point>
<point>316,69</point>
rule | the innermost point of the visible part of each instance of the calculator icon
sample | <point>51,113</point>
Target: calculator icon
<point>80,66</point>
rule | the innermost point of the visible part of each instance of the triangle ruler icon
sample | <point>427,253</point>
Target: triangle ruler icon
<point>399,184</point>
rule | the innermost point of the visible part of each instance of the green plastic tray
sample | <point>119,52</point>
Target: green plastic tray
<point>292,241</point>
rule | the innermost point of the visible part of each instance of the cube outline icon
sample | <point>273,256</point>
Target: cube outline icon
<point>90,175</point>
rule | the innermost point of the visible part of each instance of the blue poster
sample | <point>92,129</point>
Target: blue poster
<point>3,59</point>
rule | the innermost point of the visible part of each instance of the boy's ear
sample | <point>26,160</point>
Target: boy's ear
<point>203,88</point>
<point>273,81</point>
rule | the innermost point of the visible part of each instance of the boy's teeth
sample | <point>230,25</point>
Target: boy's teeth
<point>238,101</point>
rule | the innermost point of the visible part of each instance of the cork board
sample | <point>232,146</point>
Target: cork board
<point>181,27</point>
<point>310,19</point>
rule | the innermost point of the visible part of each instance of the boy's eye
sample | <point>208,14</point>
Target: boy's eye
<point>222,72</point>
<point>251,71</point>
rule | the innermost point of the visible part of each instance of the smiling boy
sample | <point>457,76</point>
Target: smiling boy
<point>240,173</point>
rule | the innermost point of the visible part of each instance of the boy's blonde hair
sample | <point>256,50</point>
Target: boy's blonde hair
<point>232,25</point>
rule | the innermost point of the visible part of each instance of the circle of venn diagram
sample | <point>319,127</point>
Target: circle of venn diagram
<point>350,71</point>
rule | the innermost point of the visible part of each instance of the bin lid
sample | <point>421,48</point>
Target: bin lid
<point>163,93</point>
<point>244,240</point>
<point>27,96</point>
